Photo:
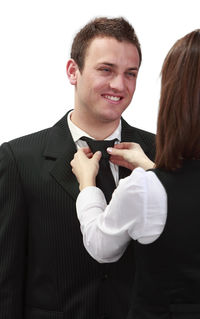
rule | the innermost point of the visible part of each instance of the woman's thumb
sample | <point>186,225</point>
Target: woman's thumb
<point>97,155</point>
<point>115,151</point>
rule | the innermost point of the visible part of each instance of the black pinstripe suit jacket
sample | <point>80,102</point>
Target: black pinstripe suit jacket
<point>45,272</point>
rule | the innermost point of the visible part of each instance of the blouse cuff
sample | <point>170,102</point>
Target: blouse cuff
<point>89,197</point>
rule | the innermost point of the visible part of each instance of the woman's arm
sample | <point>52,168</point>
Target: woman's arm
<point>105,228</point>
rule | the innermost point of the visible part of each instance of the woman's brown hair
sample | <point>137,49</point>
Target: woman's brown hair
<point>178,128</point>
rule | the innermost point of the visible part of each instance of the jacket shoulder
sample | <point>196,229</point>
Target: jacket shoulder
<point>27,145</point>
<point>137,132</point>
<point>31,138</point>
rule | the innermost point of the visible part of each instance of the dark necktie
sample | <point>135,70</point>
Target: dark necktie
<point>104,179</point>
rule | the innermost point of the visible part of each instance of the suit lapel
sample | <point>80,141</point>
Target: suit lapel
<point>61,149</point>
<point>127,135</point>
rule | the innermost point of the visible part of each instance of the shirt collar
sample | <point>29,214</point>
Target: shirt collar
<point>77,133</point>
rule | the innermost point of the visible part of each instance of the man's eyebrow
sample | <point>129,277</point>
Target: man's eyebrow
<point>113,65</point>
<point>133,69</point>
<point>108,64</point>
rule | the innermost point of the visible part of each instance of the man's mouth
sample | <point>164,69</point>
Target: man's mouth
<point>112,97</point>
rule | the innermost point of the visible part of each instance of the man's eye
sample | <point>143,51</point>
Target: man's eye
<point>131,74</point>
<point>105,70</point>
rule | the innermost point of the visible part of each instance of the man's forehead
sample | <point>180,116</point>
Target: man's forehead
<point>100,41</point>
<point>103,48</point>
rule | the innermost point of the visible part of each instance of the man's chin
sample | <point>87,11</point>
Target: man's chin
<point>109,117</point>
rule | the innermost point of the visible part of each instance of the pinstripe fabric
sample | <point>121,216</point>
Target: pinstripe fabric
<point>45,272</point>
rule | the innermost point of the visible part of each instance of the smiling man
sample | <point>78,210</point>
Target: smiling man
<point>45,271</point>
<point>105,86</point>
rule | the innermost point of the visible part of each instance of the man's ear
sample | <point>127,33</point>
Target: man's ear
<point>72,71</point>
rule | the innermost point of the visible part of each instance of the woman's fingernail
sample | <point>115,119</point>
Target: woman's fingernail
<point>109,149</point>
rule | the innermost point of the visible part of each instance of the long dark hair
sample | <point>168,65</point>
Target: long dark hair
<point>178,128</point>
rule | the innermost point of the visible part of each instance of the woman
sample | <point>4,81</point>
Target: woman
<point>160,209</point>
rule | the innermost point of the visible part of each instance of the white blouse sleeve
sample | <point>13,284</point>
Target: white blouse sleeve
<point>137,210</point>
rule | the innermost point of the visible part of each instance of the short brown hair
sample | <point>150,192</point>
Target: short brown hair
<point>178,128</point>
<point>117,28</point>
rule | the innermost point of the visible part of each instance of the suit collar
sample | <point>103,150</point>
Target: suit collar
<point>77,132</point>
<point>60,140</point>
<point>128,132</point>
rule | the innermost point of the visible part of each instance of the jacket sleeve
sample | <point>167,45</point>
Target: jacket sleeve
<point>12,237</point>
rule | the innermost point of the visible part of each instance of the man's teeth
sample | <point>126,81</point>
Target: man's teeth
<point>112,98</point>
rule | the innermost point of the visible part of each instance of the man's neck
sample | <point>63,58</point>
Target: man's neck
<point>96,129</point>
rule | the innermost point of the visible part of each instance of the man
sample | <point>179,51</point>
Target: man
<point>45,272</point>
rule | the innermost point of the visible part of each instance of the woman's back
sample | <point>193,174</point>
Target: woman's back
<point>167,271</point>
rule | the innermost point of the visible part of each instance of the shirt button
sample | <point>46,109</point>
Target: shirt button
<point>105,276</point>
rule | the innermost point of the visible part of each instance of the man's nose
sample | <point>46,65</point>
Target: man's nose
<point>118,82</point>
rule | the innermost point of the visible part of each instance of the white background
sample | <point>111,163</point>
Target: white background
<point>35,40</point>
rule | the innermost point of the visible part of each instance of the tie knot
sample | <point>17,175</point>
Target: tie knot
<point>98,145</point>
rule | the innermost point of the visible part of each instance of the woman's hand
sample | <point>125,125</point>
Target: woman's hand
<point>129,155</point>
<point>85,166</point>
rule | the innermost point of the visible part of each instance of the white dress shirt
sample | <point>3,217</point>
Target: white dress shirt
<point>77,133</point>
<point>138,210</point>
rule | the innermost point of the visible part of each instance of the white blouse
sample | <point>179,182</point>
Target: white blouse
<point>137,210</point>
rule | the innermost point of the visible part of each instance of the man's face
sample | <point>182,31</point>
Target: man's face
<point>107,82</point>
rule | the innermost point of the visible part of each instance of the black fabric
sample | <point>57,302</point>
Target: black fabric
<point>168,277</point>
<point>45,271</point>
<point>104,179</point>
